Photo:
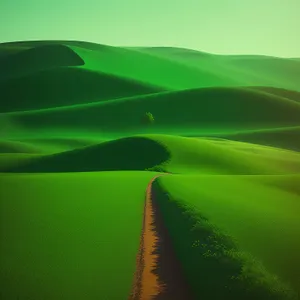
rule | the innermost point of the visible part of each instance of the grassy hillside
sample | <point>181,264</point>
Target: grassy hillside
<point>284,93</point>
<point>175,72</point>
<point>15,160</point>
<point>66,86</point>
<point>135,153</point>
<point>246,69</point>
<point>45,145</point>
<point>45,76</point>
<point>64,234</point>
<point>226,128</point>
<point>170,154</point>
<point>17,147</point>
<point>220,220</point>
<point>189,155</point>
<point>286,137</point>
<point>36,59</point>
<point>201,110</point>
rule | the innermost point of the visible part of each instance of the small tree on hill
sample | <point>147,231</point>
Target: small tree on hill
<point>148,118</point>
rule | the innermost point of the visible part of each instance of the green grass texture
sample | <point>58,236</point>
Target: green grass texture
<point>223,224</point>
<point>76,156</point>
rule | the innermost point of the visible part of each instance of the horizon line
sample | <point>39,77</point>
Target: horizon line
<point>138,46</point>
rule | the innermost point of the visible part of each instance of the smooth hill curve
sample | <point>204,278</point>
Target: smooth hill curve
<point>269,64</point>
<point>155,70</point>
<point>17,147</point>
<point>287,138</point>
<point>246,70</point>
<point>6,50</point>
<point>45,145</point>
<point>189,69</point>
<point>132,153</point>
<point>285,93</point>
<point>36,59</point>
<point>66,86</point>
<point>174,52</point>
<point>209,156</point>
<point>167,153</point>
<point>283,73</point>
<point>216,108</point>
<point>38,43</point>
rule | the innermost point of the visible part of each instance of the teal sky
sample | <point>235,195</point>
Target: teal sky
<point>269,27</point>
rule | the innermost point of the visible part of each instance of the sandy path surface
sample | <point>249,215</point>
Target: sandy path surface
<point>158,273</point>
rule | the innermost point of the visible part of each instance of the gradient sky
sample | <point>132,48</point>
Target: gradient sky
<point>268,27</point>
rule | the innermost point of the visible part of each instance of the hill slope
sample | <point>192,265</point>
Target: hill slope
<point>36,59</point>
<point>177,73</point>
<point>70,111</point>
<point>233,235</point>
<point>63,86</point>
<point>169,154</point>
<point>200,110</point>
<point>134,153</point>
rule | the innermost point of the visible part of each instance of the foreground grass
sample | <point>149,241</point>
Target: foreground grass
<point>70,236</point>
<point>236,238</point>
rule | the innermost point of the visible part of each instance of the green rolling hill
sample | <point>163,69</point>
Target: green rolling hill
<point>76,155</point>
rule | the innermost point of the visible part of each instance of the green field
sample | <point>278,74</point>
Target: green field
<point>76,155</point>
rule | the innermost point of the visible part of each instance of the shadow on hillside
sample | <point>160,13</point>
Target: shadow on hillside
<point>132,153</point>
<point>17,147</point>
<point>286,139</point>
<point>211,261</point>
<point>39,43</point>
<point>63,86</point>
<point>38,58</point>
<point>289,94</point>
<point>168,269</point>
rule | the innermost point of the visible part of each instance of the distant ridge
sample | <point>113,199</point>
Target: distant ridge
<point>36,59</point>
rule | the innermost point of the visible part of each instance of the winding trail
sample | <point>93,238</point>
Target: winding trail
<point>158,273</point>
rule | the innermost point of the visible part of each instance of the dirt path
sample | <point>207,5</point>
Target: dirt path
<point>158,274</point>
